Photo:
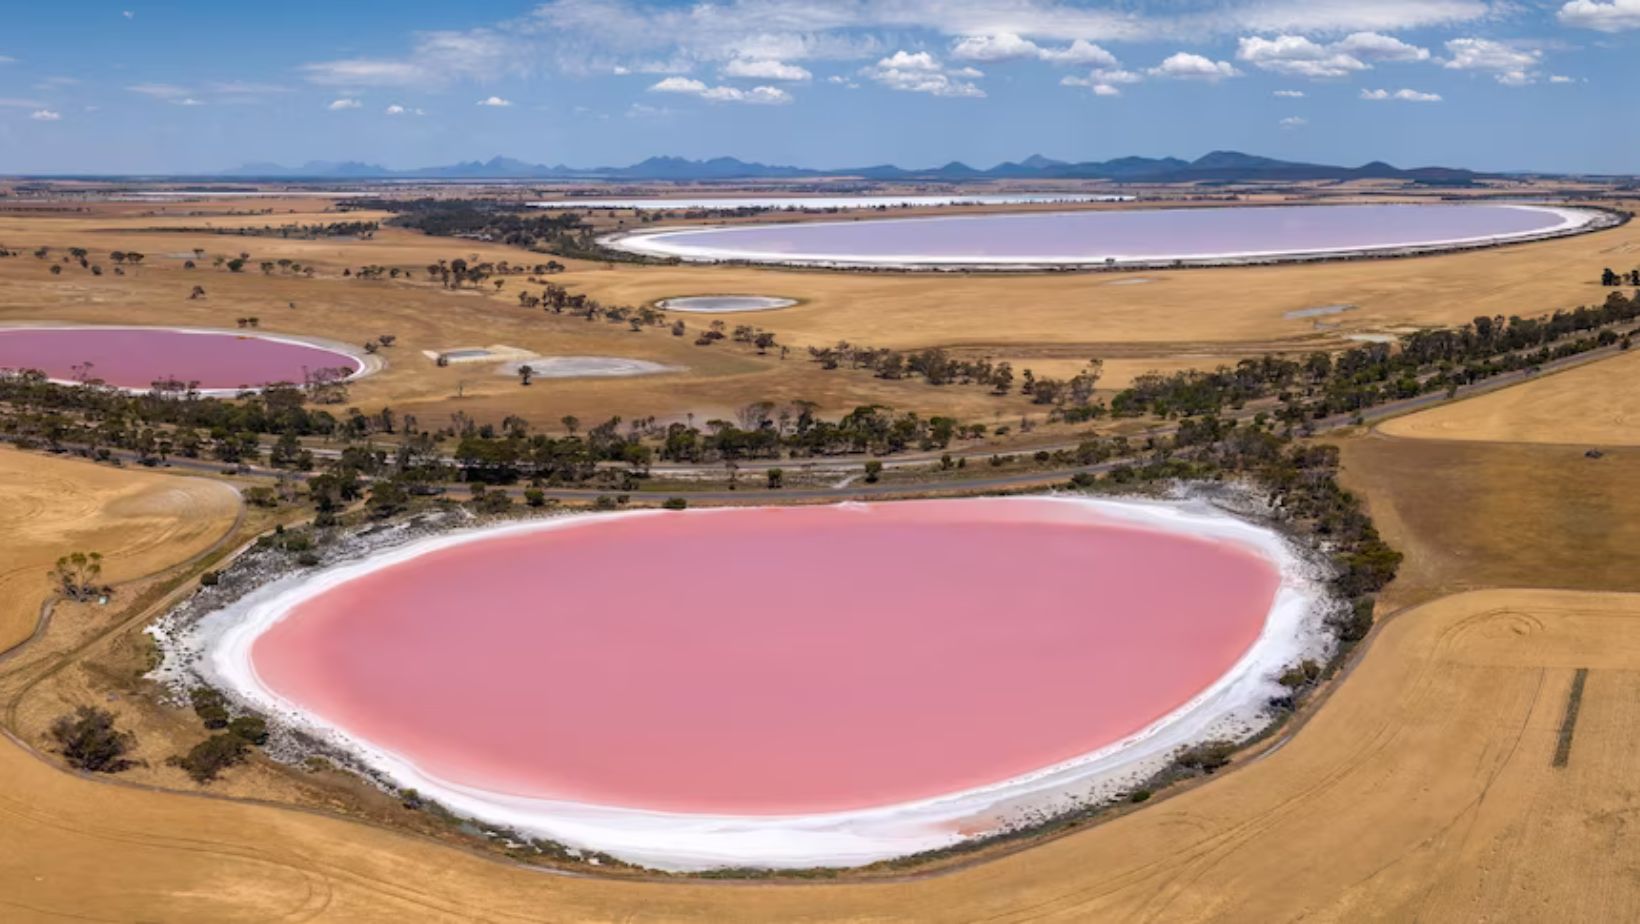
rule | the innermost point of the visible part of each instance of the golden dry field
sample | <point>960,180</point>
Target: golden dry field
<point>140,522</point>
<point>1596,405</point>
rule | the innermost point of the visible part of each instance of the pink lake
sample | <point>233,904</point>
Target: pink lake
<point>137,357</point>
<point>772,660</point>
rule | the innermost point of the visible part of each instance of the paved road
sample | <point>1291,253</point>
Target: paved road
<point>968,485</point>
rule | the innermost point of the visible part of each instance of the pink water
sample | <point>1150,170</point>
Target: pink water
<point>768,661</point>
<point>137,357</point>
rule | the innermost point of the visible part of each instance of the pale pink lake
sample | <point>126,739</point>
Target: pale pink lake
<point>136,357</point>
<point>769,660</point>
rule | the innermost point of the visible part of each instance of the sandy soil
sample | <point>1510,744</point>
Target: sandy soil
<point>1594,405</point>
<point>139,521</point>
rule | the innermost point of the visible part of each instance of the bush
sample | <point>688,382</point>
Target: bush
<point>1207,756</point>
<point>874,470</point>
<point>210,578</point>
<point>213,755</point>
<point>89,741</point>
<point>676,503</point>
<point>604,502</point>
<point>249,728</point>
<point>1301,674</point>
<point>535,497</point>
<point>1354,626</point>
<point>209,705</point>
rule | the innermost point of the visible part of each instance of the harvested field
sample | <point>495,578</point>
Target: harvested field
<point>1594,405</point>
<point>139,521</point>
<point>1470,515</point>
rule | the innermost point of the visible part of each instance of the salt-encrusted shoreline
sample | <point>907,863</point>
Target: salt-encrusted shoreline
<point>215,647</point>
<point>651,243</point>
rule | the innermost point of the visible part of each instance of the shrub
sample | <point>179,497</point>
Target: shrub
<point>250,728</point>
<point>676,503</point>
<point>874,470</point>
<point>213,755</point>
<point>1207,756</point>
<point>535,497</point>
<point>209,705</point>
<point>89,741</point>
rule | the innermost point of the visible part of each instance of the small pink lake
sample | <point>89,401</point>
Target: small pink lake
<point>772,660</point>
<point>137,357</point>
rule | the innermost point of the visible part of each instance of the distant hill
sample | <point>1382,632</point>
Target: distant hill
<point>1217,166</point>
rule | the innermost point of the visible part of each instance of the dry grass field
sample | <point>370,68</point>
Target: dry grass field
<point>139,521</point>
<point>1470,514</point>
<point>1592,406</point>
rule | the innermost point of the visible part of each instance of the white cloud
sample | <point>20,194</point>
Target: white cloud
<point>679,85</point>
<point>1510,66</point>
<point>168,91</point>
<point>1103,82</point>
<point>1406,96</point>
<point>1294,122</point>
<point>1615,16</point>
<point>921,72</point>
<point>495,102</point>
<point>188,101</point>
<point>7,59</point>
<point>1186,66</point>
<point>1006,46</point>
<point>1560,78</point>
<point>395,109</point>
<point>246,88</point>
<point>1373,46</point>
<point>765,69</point>
<point>129,14</point>
<point>1289,94</point>
<point>1297,56</point>
<point>1080,53</point>
<point>13,102</point>
<point>436,58</point>
<point>688,86</point>
<point>344,103</point>
<point>45,115</point>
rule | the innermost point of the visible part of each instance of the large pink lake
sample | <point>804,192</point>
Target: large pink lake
<point>772,660</point>
<point>1129,235</point>
<point>137,357</point>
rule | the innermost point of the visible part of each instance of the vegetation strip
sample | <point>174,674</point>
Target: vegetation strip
<point>1574,701</point>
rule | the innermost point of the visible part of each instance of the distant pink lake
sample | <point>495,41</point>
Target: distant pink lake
<point>1128,235</point>
<point>772,660</point>
<point>136,357</point>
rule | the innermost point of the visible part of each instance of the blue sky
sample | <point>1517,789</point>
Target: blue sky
<point>185,86</point>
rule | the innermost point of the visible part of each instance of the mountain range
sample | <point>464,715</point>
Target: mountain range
<point>1218,166</point>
